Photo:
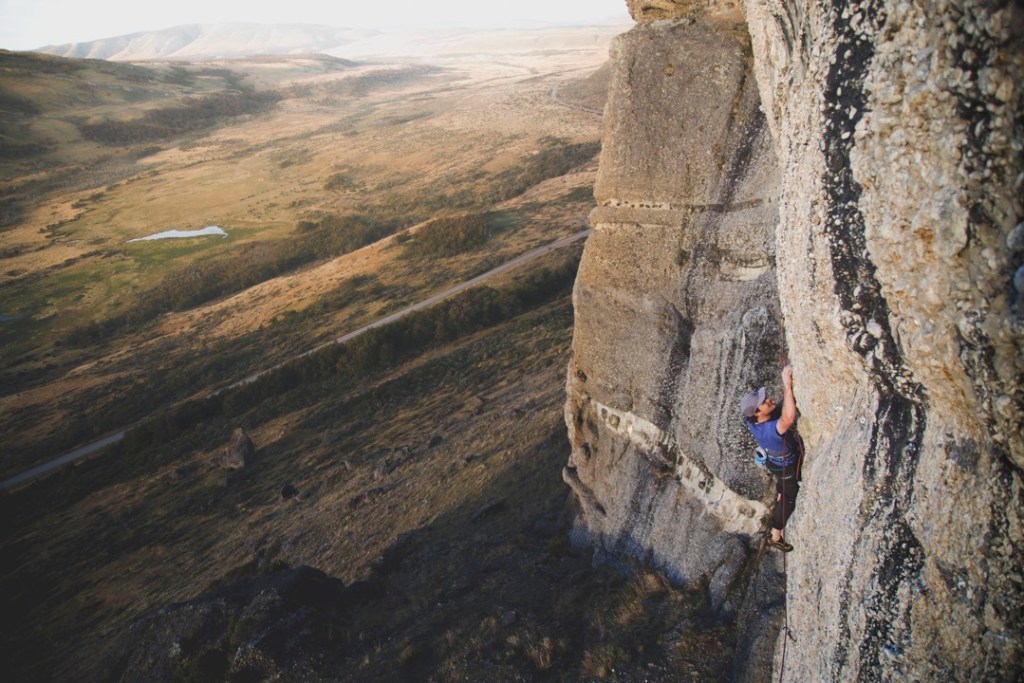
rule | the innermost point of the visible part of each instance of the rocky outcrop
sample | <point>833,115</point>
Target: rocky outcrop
<point>266,627</point>
<point>239,452</point>
<point>655,10</point>
<point>676,306</point>
<point>835,184</point>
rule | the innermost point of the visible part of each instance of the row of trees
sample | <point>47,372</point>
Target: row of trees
<point>375,350</point>
<point>363,84</point>
<point>451,235</point>
<point>193,114</point>
<point>555,158</point>
<point>328,235</point>
<point>206,280</point>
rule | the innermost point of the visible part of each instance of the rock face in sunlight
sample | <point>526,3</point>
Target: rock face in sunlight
<point>838,187</point>
<point>676,277</point>
<point>655,10</point>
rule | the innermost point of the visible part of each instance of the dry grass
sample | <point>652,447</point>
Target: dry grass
<point>437,478</point>
<point>257,177</point>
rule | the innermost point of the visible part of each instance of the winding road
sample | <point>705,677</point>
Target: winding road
<point>96,446</point>
<point>558,100</point>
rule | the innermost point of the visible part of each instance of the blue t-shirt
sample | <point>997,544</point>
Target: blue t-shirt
<point>768,437</point>
<point>782,449</point>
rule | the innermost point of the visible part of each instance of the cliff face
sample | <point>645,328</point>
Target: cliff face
<point>837,186</point>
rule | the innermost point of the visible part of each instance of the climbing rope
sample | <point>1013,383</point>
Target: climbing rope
<point>782,535</point>
<point>788,633</point>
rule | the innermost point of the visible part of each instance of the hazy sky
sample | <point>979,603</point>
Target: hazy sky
<point>27,24</point>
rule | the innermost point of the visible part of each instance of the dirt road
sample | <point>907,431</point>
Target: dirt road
<point>96,446</point>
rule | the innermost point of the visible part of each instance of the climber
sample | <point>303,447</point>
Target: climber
<point>774,429</point>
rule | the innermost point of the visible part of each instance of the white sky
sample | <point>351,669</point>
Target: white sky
<point>28,24</point>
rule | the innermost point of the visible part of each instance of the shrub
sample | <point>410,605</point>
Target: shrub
<point>580,194</point>
<point>341,181</point>
<point>17,104</point>
<point>11,150</point>
<point>179,75</point>
<point>451,235</point>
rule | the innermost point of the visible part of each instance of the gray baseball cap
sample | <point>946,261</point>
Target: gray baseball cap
<point>750,401</point>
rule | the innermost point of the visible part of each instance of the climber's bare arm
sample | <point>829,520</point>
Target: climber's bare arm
<point>788,402</point>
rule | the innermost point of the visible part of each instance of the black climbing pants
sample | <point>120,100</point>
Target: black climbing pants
<point>786,487</point>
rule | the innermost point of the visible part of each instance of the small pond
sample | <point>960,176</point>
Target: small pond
<point>173,234</point>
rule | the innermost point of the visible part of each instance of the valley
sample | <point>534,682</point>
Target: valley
<point>305,193</point>
<point>418,464</point>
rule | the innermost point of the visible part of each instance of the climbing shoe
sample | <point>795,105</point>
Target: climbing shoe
<point>780,544</point>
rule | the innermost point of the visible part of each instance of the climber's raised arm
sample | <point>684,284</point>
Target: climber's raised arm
<point>788,416</point>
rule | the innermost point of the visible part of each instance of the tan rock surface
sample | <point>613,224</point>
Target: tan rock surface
<point>676,277</point>
<point>898,160</point>
<point>888,261</point>
<point>656,10</point>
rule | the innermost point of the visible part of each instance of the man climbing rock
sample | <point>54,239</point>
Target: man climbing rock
<point>774,429</point>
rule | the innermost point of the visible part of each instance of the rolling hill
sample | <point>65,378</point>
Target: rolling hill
<point>211,41</point>
<point>239,40</point>
<point>420,467</point>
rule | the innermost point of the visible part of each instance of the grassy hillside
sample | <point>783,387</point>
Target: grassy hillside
<point>421,461</point>
<point>434,476</point>
<point>307,163</point>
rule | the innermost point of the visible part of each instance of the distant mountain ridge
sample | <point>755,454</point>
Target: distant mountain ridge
<point>198,42</point>
<point>212,41</point>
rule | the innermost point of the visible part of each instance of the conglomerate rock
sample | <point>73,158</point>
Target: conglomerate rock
<point>855,216</point>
